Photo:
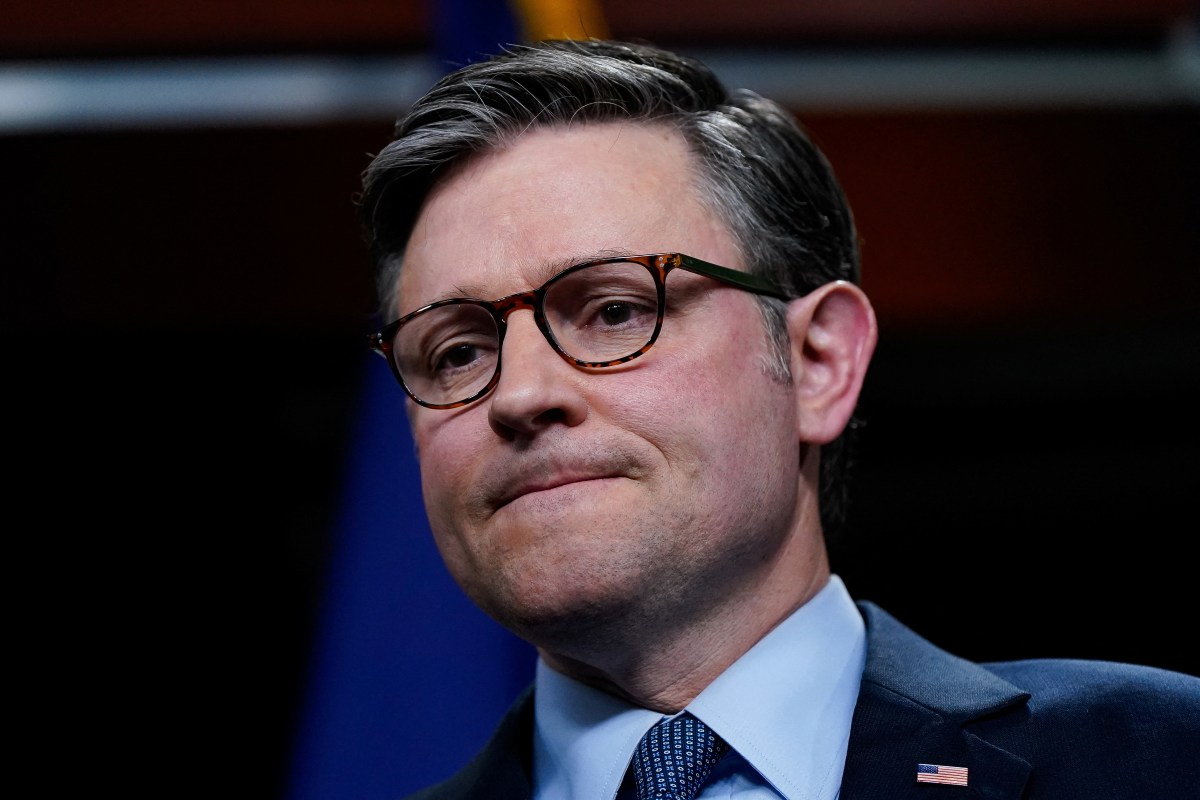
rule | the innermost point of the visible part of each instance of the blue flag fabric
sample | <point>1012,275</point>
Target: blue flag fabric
<point>466,31</point>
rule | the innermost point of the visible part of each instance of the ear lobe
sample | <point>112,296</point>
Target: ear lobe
<point>833,333</point>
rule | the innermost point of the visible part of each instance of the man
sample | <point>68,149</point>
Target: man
<point>628,323</point>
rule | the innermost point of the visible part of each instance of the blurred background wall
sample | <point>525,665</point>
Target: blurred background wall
<point>195,443</point>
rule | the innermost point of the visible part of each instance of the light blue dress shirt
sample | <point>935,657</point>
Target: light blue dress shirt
<point>784,708</point>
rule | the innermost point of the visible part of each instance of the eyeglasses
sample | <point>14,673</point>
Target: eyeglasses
<point>597,314</point>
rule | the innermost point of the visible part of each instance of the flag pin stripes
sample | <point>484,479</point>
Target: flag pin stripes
<point>939,773</point>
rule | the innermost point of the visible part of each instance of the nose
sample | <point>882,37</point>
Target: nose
<point>537,388</point>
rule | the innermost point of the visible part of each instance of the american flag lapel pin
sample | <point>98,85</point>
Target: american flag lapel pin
<point>940,773</point>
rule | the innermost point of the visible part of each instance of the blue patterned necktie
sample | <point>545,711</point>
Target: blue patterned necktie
<point>675,757</point>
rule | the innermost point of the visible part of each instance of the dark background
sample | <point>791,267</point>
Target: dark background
<point>183,308</point>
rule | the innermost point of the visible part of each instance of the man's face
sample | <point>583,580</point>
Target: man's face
<point>569,503</point>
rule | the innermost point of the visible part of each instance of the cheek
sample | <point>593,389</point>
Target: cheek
<point>690,414</point>
<point>444,450</point>
<point>445,482</point>
<point>706,376</point>
<point>718,410</point>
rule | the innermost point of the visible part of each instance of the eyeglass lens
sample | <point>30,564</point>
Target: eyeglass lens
<point>599,313</point>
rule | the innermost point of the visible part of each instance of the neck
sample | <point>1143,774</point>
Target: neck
<point>663,667</point>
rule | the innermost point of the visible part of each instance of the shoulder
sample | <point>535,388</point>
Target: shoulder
<point>909,665</point>
<point>1058,728</point>
<point>1121,729</point>
<point>1105,693</point>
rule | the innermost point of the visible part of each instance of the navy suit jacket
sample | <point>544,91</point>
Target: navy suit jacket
<point>1050,729</point>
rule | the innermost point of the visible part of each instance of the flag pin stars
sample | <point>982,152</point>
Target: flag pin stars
<point>939,773</point>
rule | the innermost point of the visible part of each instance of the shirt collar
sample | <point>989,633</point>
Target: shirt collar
<point>785,706</point>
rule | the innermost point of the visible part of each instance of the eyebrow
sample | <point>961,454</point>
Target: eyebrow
<point>541,273</point>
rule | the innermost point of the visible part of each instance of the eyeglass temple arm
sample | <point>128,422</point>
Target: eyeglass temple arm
<point>734,277</point>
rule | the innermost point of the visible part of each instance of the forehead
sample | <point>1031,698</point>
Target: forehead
<point>506,220</point>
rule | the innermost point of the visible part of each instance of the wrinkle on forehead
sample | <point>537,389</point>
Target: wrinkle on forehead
<point>536,274</point>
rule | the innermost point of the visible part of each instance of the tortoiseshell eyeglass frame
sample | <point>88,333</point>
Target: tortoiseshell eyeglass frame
<point>659,265</point>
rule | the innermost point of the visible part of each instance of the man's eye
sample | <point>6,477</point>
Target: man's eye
<point>457,357</point>
<point>616,313</point>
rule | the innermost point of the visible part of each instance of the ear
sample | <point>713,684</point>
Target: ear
<point>833,333</point>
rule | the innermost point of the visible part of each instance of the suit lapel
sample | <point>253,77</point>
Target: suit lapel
<point>917,705</point>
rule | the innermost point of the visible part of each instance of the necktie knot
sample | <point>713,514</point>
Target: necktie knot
<point>674,758</point>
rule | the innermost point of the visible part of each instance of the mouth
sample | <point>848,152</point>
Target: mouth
<point>546,483</point>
